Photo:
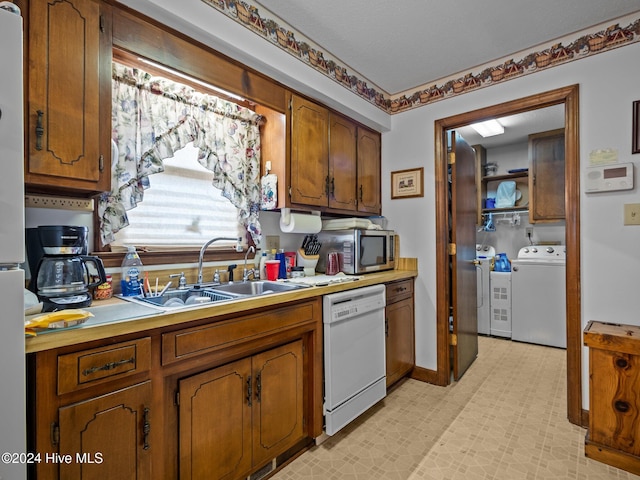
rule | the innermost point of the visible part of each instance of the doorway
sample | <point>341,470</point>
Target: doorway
<point>567,96</point>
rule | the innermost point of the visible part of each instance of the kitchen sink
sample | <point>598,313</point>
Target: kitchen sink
<point>179,299</point>
<point>261,287</point>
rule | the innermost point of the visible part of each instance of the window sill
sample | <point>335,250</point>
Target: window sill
<point>114,259</point>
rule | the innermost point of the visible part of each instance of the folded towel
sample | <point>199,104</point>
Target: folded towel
<point>506,196</point>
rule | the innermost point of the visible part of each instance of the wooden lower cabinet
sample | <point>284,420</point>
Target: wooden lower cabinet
<point>214,398</point>
<point>107,436</point>
<point>239,416</point>
<point>399,330</point>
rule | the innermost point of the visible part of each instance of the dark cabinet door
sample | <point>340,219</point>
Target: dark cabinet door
<point>546,176</point>
<point>107,436</point>
<point>215,423</point>
<point>309,153</point>
<point>342,163</point>
<point>369,165</point>
<point>69,45</point>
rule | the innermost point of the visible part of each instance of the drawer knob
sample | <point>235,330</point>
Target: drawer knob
<point>621,362</point>
<point>621,406</point>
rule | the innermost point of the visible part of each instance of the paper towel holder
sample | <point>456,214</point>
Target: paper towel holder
<point>285,215</point>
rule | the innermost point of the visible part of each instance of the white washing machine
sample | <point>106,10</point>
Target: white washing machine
<point>538,282</point>
<point>484,255</point>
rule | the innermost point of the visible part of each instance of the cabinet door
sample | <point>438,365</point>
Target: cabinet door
<point>342,163</point>
<point>65,39</point>
<point>106,436</point>
<point>309,153</point>
<point>215,423</point>
<point>546,176</point>
<point>369,165</point>
<point>278,407</point>
<point>399,339</point>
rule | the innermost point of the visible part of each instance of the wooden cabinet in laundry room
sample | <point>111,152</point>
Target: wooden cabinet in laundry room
<point>68,69</point>
<point>546,176</point>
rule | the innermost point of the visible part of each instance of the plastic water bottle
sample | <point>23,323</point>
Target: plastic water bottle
<point>131,279</point>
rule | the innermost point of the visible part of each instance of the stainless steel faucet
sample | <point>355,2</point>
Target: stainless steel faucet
<point>245,272</point>
<point>204,248</point>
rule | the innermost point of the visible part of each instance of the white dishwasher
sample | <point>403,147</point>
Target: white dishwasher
<point>354,354</point>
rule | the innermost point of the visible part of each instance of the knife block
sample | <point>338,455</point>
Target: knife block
<point>308,262</point>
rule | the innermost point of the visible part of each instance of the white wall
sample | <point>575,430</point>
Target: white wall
<point>610,263</point>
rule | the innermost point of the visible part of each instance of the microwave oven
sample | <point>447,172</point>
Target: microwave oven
<point>359,250</point>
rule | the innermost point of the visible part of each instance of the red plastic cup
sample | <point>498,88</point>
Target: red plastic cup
<point>272,267</point>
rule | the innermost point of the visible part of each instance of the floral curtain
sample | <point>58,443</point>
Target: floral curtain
<point>153,117</point>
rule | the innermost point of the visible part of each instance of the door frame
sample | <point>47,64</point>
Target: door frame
<point>569,96</point>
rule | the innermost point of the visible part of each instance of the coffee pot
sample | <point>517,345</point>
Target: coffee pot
<point>64,274</point>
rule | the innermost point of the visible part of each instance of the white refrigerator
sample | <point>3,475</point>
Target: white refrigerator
<point>12,246</point>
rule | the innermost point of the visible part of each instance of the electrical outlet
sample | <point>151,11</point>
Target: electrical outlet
<point>272,242</point>
<point>528,232</point>
<point>632,214</point>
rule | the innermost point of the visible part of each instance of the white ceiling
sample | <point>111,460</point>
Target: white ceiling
<point>400,45</point>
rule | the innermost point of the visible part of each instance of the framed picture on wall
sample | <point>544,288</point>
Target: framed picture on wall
<point>635,143</point>
<point>407,183</point>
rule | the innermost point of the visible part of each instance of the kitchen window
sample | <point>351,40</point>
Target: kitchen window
<point>200,142</point>
<point>181,211</point>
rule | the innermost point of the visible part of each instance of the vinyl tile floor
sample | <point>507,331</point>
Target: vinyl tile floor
<point>506,419</point>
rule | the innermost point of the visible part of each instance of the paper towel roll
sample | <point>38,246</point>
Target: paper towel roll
<point>301,223</point>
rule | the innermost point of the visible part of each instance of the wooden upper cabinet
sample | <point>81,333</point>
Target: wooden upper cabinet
<point>309,153</point>
<point>69,65</point>
<point>342,163</point>
<point>335,164</point>
<point>369,165</point>
<point>546,176</point>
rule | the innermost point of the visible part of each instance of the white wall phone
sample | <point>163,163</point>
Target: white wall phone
<point>608,178</point>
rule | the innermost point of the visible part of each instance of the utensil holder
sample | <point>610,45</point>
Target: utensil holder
<point>308,262</point>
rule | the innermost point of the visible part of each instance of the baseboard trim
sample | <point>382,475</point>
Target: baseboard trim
<point>425,375</point>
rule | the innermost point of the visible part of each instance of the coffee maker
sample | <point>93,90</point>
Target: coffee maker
<point>62,274</point>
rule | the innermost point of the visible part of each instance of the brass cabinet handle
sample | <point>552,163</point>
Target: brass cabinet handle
<point>249,391</point>
<point>108,366</point>
<point>146,429</point>
<point>259,387</point>
<point>361,195</point>
<point>39,130</point>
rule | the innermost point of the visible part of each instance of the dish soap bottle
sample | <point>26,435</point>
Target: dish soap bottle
<point>263,266</point>
<point>131,273</point>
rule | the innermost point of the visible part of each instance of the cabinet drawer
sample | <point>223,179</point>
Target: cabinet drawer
<point>90,367</point>
<point>399,290</point>
<point>207,338</point>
